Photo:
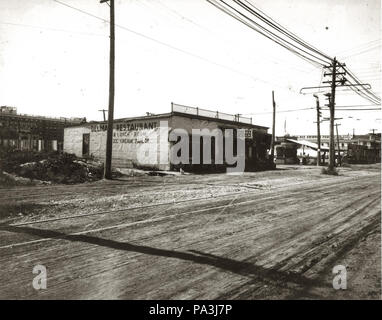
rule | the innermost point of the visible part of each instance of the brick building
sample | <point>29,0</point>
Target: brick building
<point>35,133</point>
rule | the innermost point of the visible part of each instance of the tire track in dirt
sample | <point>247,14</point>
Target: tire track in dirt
<point>143,256</point>
<point>149,220</point>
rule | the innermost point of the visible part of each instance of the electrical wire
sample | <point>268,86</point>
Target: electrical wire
<point>235,16</point>
<point>360,47</point>
<point>359,82</point>
<point>279,111</point>
<point>357,106</point>
<point>165,44</point>
<point>367,94</point>
<point>52,29</point>
<point>268,20</point>
<point>371,109</point>
<point>363,52</point>
<point>323,62</point>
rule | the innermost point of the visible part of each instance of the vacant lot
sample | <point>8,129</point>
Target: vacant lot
<point>264,235</point>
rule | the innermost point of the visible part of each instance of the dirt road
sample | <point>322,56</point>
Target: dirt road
<point>268,235</point>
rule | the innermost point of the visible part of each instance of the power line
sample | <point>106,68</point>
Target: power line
<point>371,109</point>
<point>203,28</point>
<point>363,52</point>
<point>272,34</point>
<point>367,93</point>
<point>356,106</point>
<point>255,27</point>
<point>272,23</point>
<point>166,44</point>
<point>279,111</point>
<point>365,96</point>
<point>359,82</point>
<point>179,15</point>
<point>365,44</point>
<point>51,29</point>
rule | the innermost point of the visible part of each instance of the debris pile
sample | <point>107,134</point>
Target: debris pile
<point>53,167</point>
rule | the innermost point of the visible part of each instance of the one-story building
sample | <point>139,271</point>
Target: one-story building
<point>291,150</point>
<point>143,142</point>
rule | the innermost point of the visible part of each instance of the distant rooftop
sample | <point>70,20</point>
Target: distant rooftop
<point>12,112</point>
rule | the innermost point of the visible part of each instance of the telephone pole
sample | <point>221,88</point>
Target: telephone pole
<point>318,131</point>
<point>374,145</point>
<point>273,127</point>
<point>103,112</point>
<point>338,145</point>
<point>337,73</point>
<point>332,104</point>
<point>109,138</point>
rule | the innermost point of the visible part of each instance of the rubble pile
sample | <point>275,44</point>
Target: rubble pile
<point>53,167</point>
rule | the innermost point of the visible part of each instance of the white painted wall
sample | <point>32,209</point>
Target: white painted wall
<point>73,139</point>
<point>131,148</point>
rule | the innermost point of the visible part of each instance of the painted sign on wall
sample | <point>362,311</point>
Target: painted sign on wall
<point>126,126</point>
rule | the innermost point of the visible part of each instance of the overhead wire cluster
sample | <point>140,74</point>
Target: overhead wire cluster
<point>361,49</point>
<point>251,16</point>
<point>247,13</point>
<point>364,92</point>
<point>170,46</point>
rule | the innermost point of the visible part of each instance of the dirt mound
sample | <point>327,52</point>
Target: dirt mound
<point>53,167</point>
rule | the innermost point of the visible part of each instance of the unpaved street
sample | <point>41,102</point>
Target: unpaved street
<point>263,235</point>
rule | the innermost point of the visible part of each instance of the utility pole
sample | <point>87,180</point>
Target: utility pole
<point>273,127</point>
<point>318,131</point>
<point>374,145</point>
<point>338,145</point>
<point>103,111</point>
<point>109,139</point>
<point>332,101</point>
<point>332,104</point>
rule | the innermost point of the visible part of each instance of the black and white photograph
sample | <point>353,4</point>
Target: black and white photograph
<point>178,151</point>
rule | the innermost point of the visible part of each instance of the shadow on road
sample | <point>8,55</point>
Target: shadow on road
<point>248,269</point>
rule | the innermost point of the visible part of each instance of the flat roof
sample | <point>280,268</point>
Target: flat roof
<point>308,144</point>
<point>176,113</point>
<point>41,118</point>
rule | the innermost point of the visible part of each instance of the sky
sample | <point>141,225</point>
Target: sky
<point>54,59</point>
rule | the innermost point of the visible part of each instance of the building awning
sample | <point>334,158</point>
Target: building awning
<point>309,144</point>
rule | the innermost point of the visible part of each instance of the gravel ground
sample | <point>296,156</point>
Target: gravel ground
<point>263,235</point>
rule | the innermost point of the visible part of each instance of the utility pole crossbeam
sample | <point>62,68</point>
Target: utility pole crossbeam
<point>273,127</point>
<point>109,138</point>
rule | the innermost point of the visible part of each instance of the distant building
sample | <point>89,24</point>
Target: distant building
<point>364,148</point>
<point>344,141</point>
<point>35,133</point>
<point>291,150</point>
<point>355,149</point>
<point>8,110</point>
<point>286,151</point>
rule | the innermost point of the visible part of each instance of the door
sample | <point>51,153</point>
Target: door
<point>85,144</point>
